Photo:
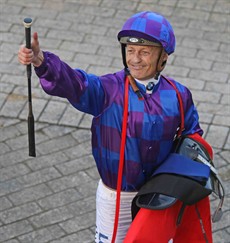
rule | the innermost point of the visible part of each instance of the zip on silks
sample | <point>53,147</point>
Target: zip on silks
<point>121,159</point>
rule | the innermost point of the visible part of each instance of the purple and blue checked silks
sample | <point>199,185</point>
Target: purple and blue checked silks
<point>152,123</point>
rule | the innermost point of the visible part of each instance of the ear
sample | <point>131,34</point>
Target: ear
<point>162,61</point>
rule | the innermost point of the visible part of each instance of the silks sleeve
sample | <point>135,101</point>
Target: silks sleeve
<point>82,90</point>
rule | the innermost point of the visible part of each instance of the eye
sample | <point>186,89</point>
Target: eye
<point>145,53</point>
<point>130,51</point>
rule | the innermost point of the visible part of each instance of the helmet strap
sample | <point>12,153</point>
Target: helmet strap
<point>162,60</point>
<point>123,52</point>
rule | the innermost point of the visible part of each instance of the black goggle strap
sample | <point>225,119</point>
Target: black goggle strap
<point>219,190</point>
<point>221,193</point>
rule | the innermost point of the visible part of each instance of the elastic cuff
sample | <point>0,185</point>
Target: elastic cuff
<point>41,70</point>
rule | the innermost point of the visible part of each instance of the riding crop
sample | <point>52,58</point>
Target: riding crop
<point>30,119</point>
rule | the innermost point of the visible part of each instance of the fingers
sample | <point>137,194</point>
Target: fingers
<point>35,42</point>
<point>25,55</point>
<point>35,36</point>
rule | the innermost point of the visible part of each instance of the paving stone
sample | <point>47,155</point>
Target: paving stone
<point>69,181</point>
<point>66,35</point>
<point>207,96</point>
<point>100,70</point>
<point>76,17</point>
<point>51,23</point>
<point>51,217</point>
<point>10,186</point>
<point>184,51</point>
<point>193,63</point>
<point>4,203</point>
<point>18,213</point>
<point>29,194</point>
<point>78,223</point>
<point>225,99</point>
<point>217,109</point>
<point>217,141</point>
<point>175,70</point>
<point>47,160</point>
<point>109,22</point>
<point>205,117</point>
<point>14,9</point>
<point>109,51</point>
<point>43,235</point>
<point>193,84</point>
<point>17,80</point>
<point>13,172</point>
<point>79,47</point>
<point>56,145</point>
<point>38,105</point>
<point>97,11</point>
<point>10,231</point>
<point>53,112</point>
<point>4,148</point>
<point>81,150</point>
<point>118,4</point>
<point>36,12</point>
<point>218,77</point>
<point>76,165</point>
<point>83,236</point>
<point>82,135</point>
<point>205,5</point>
<point>219,18</point>
<point>53,131</point>
<point>59,199</point>
<point>12,241</point>
<point>222,6</point>
<point>221,120</point>
<point>196,14</point>
<point>71,117</point>
<point>39,177</point>
<point>6,122</point>
<point>221,67</point>
<point>3,98</point>
<point>5,57</point>
<point>200,44</point>
<point>13,105</point>
<point>94,59</point>
<point>9,132</point>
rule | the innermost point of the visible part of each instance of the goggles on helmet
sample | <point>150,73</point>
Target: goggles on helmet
<point>138,41</point>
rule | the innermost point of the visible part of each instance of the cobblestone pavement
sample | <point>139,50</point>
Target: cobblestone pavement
<point>51,198</point>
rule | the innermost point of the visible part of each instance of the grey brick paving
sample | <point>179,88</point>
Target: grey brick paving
<point>51,198</point>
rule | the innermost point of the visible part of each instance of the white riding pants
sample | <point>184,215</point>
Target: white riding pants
<point>105,214</point>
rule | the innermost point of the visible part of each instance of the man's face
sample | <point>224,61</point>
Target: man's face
<point>142,61</point>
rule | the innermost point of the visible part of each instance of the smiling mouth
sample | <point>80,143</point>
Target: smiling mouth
<point>136,67</point>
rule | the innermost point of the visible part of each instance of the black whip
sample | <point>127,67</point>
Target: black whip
<point>30,119</point>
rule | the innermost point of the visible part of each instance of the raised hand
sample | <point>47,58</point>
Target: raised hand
<point>31,56</point>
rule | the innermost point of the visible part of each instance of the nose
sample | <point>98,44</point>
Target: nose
<point>136,57</point>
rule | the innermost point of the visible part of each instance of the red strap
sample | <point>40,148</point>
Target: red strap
<point>195,136</point>
<point>181,106</point>
<point>121,159</point>
<point>122,147</point>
